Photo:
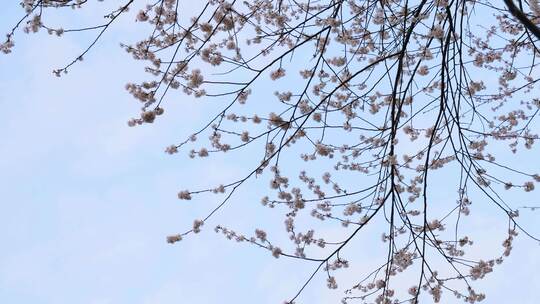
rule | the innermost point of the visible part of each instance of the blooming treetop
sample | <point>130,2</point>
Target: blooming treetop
<point>375,106</point>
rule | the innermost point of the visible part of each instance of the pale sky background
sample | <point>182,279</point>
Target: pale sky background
<point>86,201</point>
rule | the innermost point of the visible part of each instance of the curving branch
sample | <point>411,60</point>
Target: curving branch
<point>522,18</point>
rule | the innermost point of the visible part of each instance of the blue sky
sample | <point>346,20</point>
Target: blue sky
<point>87,202</point>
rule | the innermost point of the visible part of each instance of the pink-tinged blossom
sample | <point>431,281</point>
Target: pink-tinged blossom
<point>184,195</point>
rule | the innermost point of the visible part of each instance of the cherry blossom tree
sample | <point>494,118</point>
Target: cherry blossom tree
<point>374,107</point>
